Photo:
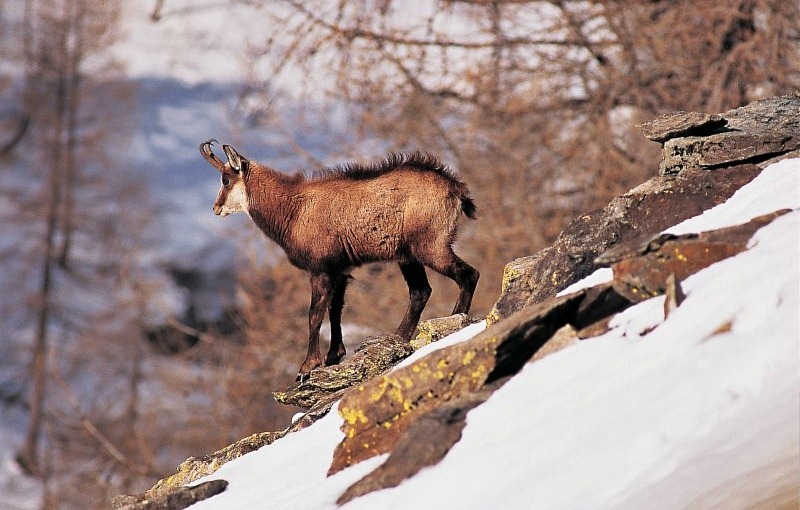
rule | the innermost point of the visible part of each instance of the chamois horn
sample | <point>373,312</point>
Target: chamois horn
<point>205,150</point>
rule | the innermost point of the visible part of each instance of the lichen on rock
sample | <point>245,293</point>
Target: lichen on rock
<point>195,468</point>
<point>376,355</point>
<point>433,330</point>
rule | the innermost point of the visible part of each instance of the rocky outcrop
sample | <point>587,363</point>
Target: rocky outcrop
<point>378,413</point>
<point>736,145</point>
<point>416,413</point>
<point>173,498</point>
<point>681,124</point>
<point>441,428</point>
<point>757,133</point>
<point>644,211</point>
<point>374,356</point>
<point>643,273</point>
<point>317,394</point>
<point>194,468</point>
<point>433,330</point>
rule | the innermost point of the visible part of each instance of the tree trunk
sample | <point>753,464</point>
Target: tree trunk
<point>29,456</point>
<point>72,81</point>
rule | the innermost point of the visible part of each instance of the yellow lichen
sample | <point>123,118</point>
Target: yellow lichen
<point>391,388</point>
<point>493,317</point>
<point>424,336</point>
<point>395,393</point>
<point>478,372</point>
<point>509,274</point>
<point>468,357</point>
<point>380,390</point>
<point>353,416</point>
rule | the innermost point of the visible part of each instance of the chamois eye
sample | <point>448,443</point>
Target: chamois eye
<point>226,181</point>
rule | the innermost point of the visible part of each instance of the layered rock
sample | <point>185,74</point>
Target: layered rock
<point>644,211</point>
<point>378,413</point>
<point>317,394</point>
<point>375,355</point>
<point>706,159</point>
<point>759,133</point>
<point>643,273</point>
<point>194,468</point>
<point>173,498</point>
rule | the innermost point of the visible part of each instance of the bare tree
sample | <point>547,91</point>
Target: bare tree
<point>69,264</point>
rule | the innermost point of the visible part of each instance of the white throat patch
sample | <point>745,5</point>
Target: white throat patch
<point>236,200</point>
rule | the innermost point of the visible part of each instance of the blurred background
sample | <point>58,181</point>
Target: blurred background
<point>137,329</point>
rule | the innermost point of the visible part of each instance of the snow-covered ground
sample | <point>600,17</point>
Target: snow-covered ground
<point>17,491</point>
<point>699,410</point>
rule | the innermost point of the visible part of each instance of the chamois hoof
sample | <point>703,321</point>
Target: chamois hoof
<point>301,378</point>
<point>333,360</point>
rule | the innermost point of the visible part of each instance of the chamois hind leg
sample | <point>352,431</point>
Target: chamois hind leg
<point>321,291</point>
<point>418,293</point>
<point>337,349</point>
<point>466,277</point>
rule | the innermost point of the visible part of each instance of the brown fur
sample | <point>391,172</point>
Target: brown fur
<point>405,208</point>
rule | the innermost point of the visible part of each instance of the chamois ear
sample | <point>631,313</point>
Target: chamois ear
<point>236,160</point>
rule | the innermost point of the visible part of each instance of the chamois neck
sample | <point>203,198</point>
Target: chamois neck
<point>273,200</point>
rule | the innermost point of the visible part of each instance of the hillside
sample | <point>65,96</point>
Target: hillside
<point>647,359</point>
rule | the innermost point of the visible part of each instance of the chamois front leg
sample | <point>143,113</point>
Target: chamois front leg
<point>337,349</point>
<point>321,291</point>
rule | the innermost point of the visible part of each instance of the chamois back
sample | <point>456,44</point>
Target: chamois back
<point>416,160</point>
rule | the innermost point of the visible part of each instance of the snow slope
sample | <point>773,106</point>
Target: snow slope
<point>696,411</point>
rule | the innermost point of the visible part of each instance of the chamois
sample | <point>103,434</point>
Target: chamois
<point>405,209</point>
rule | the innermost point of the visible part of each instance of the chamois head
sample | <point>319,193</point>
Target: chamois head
<point>232,196</point>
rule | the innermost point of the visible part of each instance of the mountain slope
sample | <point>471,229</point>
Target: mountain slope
<point>698,409</point>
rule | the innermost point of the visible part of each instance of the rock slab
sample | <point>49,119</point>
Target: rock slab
<point>644,211</point>
<point>756,133</point>
<point>174,498</point>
